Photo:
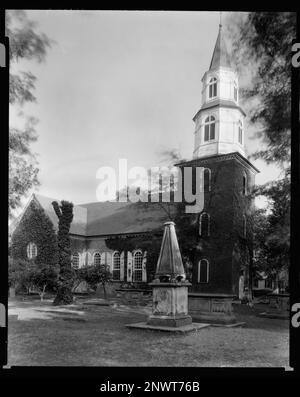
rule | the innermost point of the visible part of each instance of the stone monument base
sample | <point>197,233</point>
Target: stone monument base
<point>278,308</point>
<point>180,329</point>
<point>215,309</point>
<point>168,321</point>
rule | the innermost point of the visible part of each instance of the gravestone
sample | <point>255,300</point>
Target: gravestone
<point>170,290</point>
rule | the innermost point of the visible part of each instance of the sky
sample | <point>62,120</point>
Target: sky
<point>118,85</point>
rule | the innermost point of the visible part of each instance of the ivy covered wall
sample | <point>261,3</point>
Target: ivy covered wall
<point>35,227</point>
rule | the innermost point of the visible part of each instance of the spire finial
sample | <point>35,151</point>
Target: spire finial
<point>220,24</point>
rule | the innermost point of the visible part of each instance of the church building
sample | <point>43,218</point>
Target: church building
<point>122,235</point>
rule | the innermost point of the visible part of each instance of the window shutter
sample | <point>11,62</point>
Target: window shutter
<point>122,266</point>
<point>144,269</point>
<point>129,266</point>
<point>103,258</point>
<point>109,261</point>
<point>90,260</point>
<point>81,259</point>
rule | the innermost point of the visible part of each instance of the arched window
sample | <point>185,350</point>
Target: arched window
<point>209,128</point>
<point>97,259</point>
<point>244,226</point>
<point>244,184</point>
<point>204,225</point>
<point>31,251</point>
<point>212,88</point>
<point>203,271</point>
<point>240,130</point>
<point>235,92</point>
<point>116,266</point>
<point>207,179</point>
<point>75,260</point>
<point>138,266</point>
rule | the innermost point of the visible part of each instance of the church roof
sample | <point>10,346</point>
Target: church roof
<point>79,223</point>
<point>220,55</point>
<point>110,217</point>
<point>120,218</point>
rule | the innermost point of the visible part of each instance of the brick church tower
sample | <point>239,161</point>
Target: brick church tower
<point>224,253</point>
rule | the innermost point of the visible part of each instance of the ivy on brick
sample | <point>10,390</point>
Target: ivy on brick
<point>35,227</point>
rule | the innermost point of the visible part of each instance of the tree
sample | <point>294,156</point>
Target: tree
<point>263,40</point>
<point>98,274</point>
<point>272,231</point>
<point>29,274</point>
<point>64,212</point>
<point>19,274</point>
<point>25,44</point>
<point>43,277</point>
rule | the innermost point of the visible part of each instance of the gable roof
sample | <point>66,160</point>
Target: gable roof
<point>110,217</point>
<point>78,225</point>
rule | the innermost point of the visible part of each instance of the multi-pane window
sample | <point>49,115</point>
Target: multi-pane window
<point>75,260</point>
<point>138,266</point>
<point>116,266</point>
<point>240,130</point>
<point>209,128</point>
<point>31,251</point>
<point>97,259</point>
<point>204,225</point>
<point>212,88</point>
<point>203,270</point>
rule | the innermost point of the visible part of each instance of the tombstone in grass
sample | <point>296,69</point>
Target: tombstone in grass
<point>170,290</point>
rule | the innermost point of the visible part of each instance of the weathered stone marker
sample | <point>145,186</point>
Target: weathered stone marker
<point>170,287</point>
<point>170,290</point>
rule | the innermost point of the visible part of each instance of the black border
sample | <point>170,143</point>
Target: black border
<point>88,379</point>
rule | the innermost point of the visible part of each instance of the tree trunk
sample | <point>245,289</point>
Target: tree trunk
<point>104,291</point>
<point>64,296</point>
<point>250,293</point>
<point>42,293</point>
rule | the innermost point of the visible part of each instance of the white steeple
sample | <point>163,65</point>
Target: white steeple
<point>220,120</point>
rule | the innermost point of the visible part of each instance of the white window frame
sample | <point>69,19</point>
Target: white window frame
<point>208,122</point>
<point>98,255</point>
<point>31,250</point>
<point>76,254</point>
<point>134,268</point>
<point>212,88</point>
<point>113,265</point>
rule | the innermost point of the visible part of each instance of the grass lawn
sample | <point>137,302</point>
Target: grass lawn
<point>90,335</point>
